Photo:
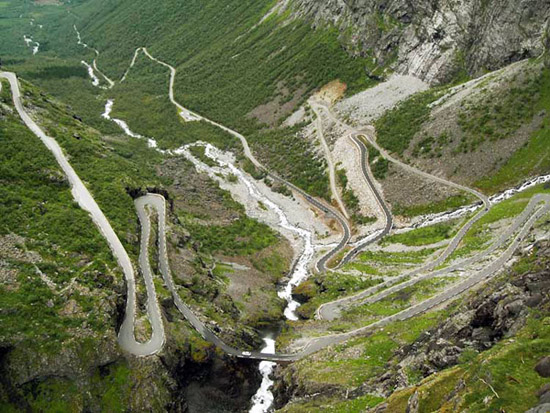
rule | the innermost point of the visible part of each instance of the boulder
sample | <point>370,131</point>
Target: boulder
<point>543,367</point>
<point>542,408</point>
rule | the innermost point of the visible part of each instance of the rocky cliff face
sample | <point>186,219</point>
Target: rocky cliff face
<point>436,39</point>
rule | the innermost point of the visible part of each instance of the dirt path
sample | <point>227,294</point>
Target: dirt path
<point>328,156</point>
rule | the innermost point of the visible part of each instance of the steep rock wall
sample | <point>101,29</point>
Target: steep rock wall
<point>435,39</point>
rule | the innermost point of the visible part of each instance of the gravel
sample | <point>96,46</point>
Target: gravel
<point>367,106</point>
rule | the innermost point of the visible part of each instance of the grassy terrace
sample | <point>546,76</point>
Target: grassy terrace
<point>410,257</point>
<point>479,236</point>
<point>400,300</point>
<point>424,236</point>
<point>334,285</point>
<point>447,204</point>
<point>329,286</point>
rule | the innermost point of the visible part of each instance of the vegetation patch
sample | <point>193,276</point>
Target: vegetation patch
<point>409,257</point>
<point>423,236</point>
<point>447,204</point>
<point>351,200</point>
<point>378,164</point>
<point>399,300</point>
<point>330,286</point>
<point>397,127</point>
<point>533,158</point>
<point>495,119</point>
<point>293,157</point>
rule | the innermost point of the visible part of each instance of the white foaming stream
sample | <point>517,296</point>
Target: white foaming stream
<point>495,199</point>
<point>91,73</point>
<point>300,271</point>
<point>29,41</point>
<point>263,399</point>
<point>152,143</point>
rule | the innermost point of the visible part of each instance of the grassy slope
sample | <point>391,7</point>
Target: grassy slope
<point>110,166</point>
<point>485,120</point>
<point>534,157</point>
<point>37,205</point>
<point>423,236</point>
<point>227,67</point>
<point>142,101</point>
<point>508,367</point>
<point>352,363</point>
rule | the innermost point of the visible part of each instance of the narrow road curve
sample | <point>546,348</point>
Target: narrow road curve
<point>158,203</point>
<point>321,264</point>
<point>328,157</point>
<point>369,178</point>
<point>86,201</point>
<point>332,309</point>
<point>369,134</point>
<point>449,294</point>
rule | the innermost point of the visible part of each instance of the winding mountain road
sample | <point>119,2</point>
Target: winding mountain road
<point>523,223</point>
<point>332,309</point>
<point>126,335</point>
<point>86,201</point>
<point>528,217</point>
<point>379,199</point>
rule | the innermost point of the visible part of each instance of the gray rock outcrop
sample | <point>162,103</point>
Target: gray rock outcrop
<point>436,40</point>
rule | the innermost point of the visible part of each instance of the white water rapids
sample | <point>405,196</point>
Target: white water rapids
<point>495,199</point>
<point>91,73</point>
<point>29,42</point>
<point>124,126</point>
<point>263,399</point>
